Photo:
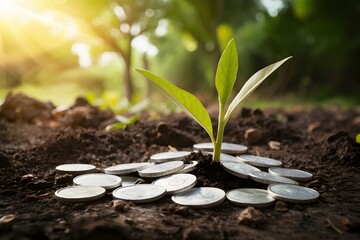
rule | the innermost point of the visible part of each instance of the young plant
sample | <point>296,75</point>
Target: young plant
<point>224,80</point>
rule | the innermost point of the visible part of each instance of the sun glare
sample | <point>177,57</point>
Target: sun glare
<point>30,32</point>
<point>7,8</point>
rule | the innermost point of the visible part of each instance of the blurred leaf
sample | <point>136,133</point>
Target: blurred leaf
<point>358,138</point>
<point>189,42</point>
<point>141,106</point>
<point>123,122</point>
<point>224,35</point>
<point>226,72</point>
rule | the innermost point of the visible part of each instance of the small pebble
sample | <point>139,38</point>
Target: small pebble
<point>274,145</point>
<point>7,220</point>
<point>251,217</point>
<point>253,135</point>
<point>280,206</point>
<point>63,179</point>
<point>120,205</point>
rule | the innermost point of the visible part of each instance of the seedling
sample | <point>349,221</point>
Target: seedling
<point>224,80</point>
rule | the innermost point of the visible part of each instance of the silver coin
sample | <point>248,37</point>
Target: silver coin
<point>75,168</point>
<point>258,161</point>
<point>239,169</point>
<point>177,183</point>
<point>188,167</point>
<point>294,174</point>
<point>224,157</point>
<point>139,193</point>
<point>162,169</point>
<point>267,178</point>
<point>229,148</point>
<point>228,158</point>
<point>80,193</point>
<point>169,156</point>
<point>128,181</point>
<point>126,168</point>
<point>202,197</point>
<point>106,181</point>
<point>250,197</point>
<point>292,193</point>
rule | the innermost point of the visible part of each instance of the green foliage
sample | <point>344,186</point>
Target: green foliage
<point>225,78</point>
<point>322,38</point>
<point>252,84</point>
<point>188,102</point>
<point>122,122</point>
<point>226,72</point>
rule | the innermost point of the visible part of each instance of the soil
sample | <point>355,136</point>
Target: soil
<point>34,140</point>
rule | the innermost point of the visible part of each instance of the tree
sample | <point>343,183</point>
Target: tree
<point>117,23</point>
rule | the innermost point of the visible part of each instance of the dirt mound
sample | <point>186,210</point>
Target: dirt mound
<point>18,107</point>
<point>320,141</point>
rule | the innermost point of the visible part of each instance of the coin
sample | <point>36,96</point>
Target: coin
<point>239,169</point>
<point>128,181</point>
<point>258,161</point>
<point>228,158</point>
<point>224,157</point>
<point>250,197</point>
<point>106,181</point>
<point>162,169</point>
<point>229,148</point>
<point>292,193</point>
<point>75,168</point>
<point>177,183</point>
<point>139,193</point>
<point>80,193</point>
<point>126,168</point>
<point>201,197</point>
<point>267,178</point>
<point>188,167</point>
<point>291,173</point>
<point>169,156</point>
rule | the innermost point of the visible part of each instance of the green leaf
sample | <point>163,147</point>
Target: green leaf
<point>188,102</point>
<point>122,122</point>
<point>226,72</point>
<point>251,85</point>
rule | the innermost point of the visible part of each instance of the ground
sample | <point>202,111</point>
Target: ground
<point>33,141</point>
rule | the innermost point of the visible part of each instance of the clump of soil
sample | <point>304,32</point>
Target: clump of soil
<point>18,107</point>
<point>320,140</point>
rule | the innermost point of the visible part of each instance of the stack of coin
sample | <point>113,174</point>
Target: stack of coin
<point>170,177</point>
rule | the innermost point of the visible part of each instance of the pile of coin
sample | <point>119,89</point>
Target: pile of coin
<point>171,177</point>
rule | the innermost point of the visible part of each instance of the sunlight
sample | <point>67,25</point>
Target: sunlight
<point>29,33</point>
<point>82,50</point>
<point>273,7</point>
<point>7,8</point>
<point>142,44</point>
<point>162,27</point>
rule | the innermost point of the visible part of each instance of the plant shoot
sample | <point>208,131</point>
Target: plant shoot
<point>224,81</point>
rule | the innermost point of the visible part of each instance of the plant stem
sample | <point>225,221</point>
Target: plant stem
<point>220,134</point>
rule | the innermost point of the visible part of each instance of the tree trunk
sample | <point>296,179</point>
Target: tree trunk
<point>148,82</point>
<point>128,88</point>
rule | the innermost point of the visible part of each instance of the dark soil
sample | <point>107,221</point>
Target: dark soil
<point>34,140</point>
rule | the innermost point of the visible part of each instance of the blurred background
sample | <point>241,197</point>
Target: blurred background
<point>57,50</point>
